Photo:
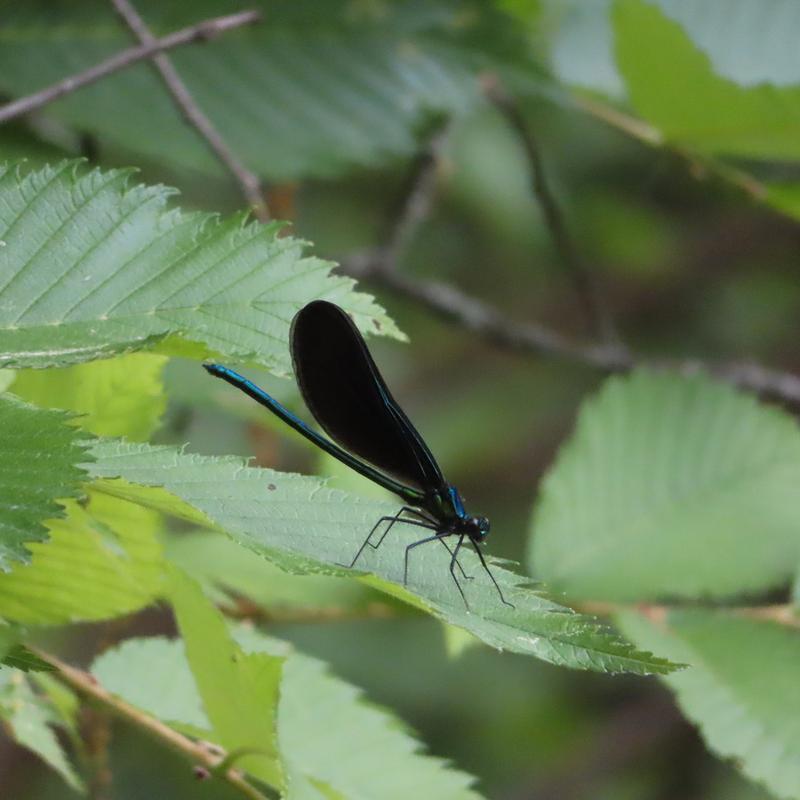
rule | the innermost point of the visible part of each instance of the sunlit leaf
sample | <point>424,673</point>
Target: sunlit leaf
<point>689,102</point>
<point>115,397</point>
<point>326,728</point>
<point>303,526</point>
<point>239,690</point>
<point>92,265</point>
<point>102,560</point>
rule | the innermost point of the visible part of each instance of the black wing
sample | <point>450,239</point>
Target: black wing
<point>347,396</point>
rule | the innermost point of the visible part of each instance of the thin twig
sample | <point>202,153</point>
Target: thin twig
<point>534,338</point>
<point>248,181</point>
<point>415,201</point>
<point>201,756</point>
<point>781,614</point>
<point>202,31</point>
<point>453,305</point>
<point>600,322</point>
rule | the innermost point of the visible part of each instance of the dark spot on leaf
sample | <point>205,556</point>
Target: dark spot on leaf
<point>201,772</point>
<point>272,487</point>
<point>377,324</point>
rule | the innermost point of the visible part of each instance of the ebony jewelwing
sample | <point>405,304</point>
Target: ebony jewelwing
<point>347,396</point>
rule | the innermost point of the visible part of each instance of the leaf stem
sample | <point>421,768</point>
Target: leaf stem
<point>87,685</point>
<point>202,31</point>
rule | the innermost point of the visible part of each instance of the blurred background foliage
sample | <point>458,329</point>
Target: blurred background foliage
<point>328,102</point>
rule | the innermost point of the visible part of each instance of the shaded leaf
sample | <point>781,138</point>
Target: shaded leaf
<point>19,657</point>
<point>39,457</point>
<point>314,90</point>
<point>662,474</point>
<point>28,718</point>
<point>741,689</point>
<point>225,568</point>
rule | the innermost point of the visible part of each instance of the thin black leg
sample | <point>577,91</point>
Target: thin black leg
<point>391,521</point>
<point>427,523</point>
<point>489,573</point>
<point>431,525</point>
<point>458,563</point>
<point>453,562</point>
<point>411,547</point>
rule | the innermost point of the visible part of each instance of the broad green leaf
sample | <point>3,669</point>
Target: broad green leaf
<point>662,476</point>
<point>28,718</point>
<point>315,704</point>
<point>315,89</point>
<point>582,49</point>
<point>239,690</point>
<point>746,42</point>
<point>224,567</point>
<point>741,689</point>
<point>326,728</point>
<point>689,102</point>
<point>92,266</point>
<point>154,675</point>
<point>101,561</point>
<point>122,396</point>
<point>303,526</point>
<point>39,457</point>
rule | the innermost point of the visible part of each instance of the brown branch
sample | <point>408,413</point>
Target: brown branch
<point>415,201</point>
<point>583,281</point>
<point>202,31</point>
<point>204,758</point>
<point>532,338</point>
<point>249,183</point>
<point>528,338</point>
<point>781,614</point>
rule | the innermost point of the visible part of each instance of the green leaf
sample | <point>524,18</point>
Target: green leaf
<point>39,457</point>
<point>663,474</point>
<point>239,691</point>
<point>101,561</point>
<point>28,718</point>
<point>327,731</point>
<point>116,397</point>
<point>583,43</point>
<point>19,657</point>
<point>224,567</point>
<point>303,526</point>
<point>689,102</point>
<point>92,266</point>
<point>313,90</point>
<point>749,43</point>
<point>741,689</point>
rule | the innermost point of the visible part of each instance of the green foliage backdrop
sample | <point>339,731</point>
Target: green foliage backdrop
<point>539,195</point>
